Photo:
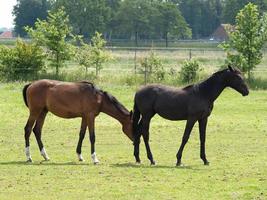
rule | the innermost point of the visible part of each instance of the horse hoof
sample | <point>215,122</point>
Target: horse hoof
<point>206,163</point>
<point>179,164</point>
<point>153,163</point>
<point>138,162</point>
<point>81,160</point>
<point>96,162</point>
<point>47,159</point>
<point>29,160</point>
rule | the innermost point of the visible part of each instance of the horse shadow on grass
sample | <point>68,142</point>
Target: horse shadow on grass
<point>117,165</point>
<point>44,163</point>
<point>142,166</point>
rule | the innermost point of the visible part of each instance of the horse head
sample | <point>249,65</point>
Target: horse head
<point>127,126</point>
<point>236,81</point>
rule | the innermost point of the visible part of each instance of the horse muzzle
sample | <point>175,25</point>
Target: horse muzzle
<point>245,93</point>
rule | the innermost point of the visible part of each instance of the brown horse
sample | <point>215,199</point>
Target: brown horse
<point>71,100</point>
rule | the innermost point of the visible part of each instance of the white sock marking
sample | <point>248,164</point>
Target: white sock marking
<point>44,154</point>
<point>94,158</point>
<point>80,157</point>
<point>27,152</point>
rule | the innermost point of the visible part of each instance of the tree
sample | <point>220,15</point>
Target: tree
<point>111,27</point>
<point>203,17</point>
<point>86,17</point>
<point>245,43</point>
<point>93,54</point>
<point>26,13</point>
<point>232,7</point>
<point>189,71</point>
<point>22,62</point>
<point>172,22</point>
<point>83,56</point>
<point>52,34</point>
<point>152,67</point>
<point>135,17</point>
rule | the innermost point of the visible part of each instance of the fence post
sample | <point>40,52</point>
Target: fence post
<point>190,54</point>
<point>135,65</point>
<point>145,74</point>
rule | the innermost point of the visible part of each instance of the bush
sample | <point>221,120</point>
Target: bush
<point>22,62</point>
<point>189,71</point>
<point>152,67</point>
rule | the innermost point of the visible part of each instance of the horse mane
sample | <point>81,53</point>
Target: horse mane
<point>214,75</point>
<point>94,88</point>
<point>116,103</point>
<point>188,87</point>
<point>87,82</point>
<point>111,98</point>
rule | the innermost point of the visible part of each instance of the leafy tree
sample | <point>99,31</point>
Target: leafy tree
<point>171,22</point>
<point>135,17</point>
<point>111,25</point>
<point>203,17</point>
<point>83,56</point>
<point>86,17</point>
<point>22,62</point>
<point>245,43</point>
<point>232,7</point>
<point>152,67</point>
<point>189,71</point>
<point>93,54</point>
<point>52,34</point>
<point>26,13</point>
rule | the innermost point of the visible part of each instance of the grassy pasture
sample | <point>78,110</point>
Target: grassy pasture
<point>236,147</point>
<point>126,70</point>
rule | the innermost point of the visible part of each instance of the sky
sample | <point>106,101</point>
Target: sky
<point>6,18</point>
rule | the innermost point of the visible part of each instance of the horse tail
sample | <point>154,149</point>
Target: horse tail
<point>136,118</point>
<point>24,93</point>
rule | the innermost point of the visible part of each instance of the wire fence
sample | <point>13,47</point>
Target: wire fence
<point>127,58</point>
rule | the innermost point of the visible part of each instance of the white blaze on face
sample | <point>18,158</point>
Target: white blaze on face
<point>44,154</point>
<point>94,158</point>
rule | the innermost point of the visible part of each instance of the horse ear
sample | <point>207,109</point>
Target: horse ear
<point>230,68</point>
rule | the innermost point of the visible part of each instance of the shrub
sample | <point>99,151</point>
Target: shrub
<point>94,54</point>
<point>22,62</point>
<point>152,67</point>
<point>189,71</point>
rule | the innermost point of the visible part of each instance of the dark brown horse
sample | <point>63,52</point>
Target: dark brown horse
<point>192,103</point>
<point>70,100</point>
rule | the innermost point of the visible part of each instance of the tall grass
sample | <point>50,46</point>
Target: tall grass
<point>124,69</point>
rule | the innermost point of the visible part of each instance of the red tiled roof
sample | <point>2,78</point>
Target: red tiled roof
<point>6,34</point>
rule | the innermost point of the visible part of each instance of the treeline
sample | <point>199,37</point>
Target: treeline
<point>136,19</point>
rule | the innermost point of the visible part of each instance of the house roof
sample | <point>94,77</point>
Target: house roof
<point>6,34</point>
<point>221,33</point>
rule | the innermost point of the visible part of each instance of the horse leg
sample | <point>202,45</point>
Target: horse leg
<point>91,124</point>
<point>28,130</point>
<point>38,133</point>
<point>202,134</point>
<point>188,128</point>
<point>137,136</point>
<point>145,133</point>
<point>81,137</point>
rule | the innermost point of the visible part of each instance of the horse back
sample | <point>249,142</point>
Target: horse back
<point>64,99</point>
<point>169,102</point>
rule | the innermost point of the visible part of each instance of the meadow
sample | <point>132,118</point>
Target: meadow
<point>236,140</point>
<point>236,147</point>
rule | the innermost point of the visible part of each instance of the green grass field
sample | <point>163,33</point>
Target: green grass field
<point>236,147</point>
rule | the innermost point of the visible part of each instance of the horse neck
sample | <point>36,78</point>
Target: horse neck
<point>212,87</point>
<point>111,110</point>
